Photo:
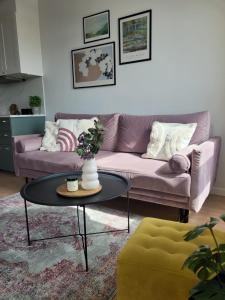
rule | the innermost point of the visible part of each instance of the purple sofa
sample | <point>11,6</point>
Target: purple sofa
<point>126,138</point>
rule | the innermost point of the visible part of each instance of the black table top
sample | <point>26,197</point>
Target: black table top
<point>43,190</point>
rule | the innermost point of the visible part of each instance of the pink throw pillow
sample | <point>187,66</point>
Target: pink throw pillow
<point>179,163</point>
<point>29,144</point>
<point>67,140</point>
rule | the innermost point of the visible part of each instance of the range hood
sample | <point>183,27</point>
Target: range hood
<point>18,77</point>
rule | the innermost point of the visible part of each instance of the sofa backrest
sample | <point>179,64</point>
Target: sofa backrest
<point>134,131</point>
<point>109,121</point>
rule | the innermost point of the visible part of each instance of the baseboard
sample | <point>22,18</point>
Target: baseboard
<point>218,191</point>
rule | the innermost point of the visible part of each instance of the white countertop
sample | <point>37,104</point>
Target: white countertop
<point>21,116</point>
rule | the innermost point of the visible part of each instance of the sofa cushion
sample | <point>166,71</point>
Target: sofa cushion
<point>110,123</point>
<point>67,116</point>
<point>134,131</point>
<point>145,174</point>
<point>49,162</point>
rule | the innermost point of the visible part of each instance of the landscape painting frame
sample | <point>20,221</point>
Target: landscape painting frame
<point>94,66</point>
<point>96,27</point>
<point>135,33</point>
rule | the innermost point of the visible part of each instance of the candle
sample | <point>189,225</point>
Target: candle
<point>72,184</point>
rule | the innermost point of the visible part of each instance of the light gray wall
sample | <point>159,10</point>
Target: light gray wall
<point>186,74</point>
<point>19,93</point>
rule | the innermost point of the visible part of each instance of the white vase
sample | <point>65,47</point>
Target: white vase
<point>36,110</point>
<point>89,175</point>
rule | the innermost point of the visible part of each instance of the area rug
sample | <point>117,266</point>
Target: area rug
<point>54,269</point>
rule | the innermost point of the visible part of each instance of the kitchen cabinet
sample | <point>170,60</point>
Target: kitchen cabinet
<point>10,60</point>
<point>12,126</point>
<point>20,47</point>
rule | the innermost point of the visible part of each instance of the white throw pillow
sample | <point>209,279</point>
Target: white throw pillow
<point>49,141</point>
<point>76,126</point>
<point>69,124</point>
<point>50,137</point>
<point>168,138</point>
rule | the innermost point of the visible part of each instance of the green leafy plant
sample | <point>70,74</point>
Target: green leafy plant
<point>208,264</point>
<point>35,101</point>
<point>91,141</point>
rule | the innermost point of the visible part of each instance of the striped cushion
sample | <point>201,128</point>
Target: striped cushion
<point>67,140</point>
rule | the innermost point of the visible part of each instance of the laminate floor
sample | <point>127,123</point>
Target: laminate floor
<point>10,184</point>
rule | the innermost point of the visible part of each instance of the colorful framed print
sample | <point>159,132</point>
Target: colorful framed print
<point>94,66</point>
<point>135,37</point>
<point>96,27</point>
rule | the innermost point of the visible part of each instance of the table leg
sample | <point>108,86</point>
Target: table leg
<point>27,223</point>
<point>85,240</point>
<point>78,220</point>
<point>128,212</point>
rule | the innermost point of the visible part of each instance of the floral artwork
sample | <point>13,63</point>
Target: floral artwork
<point>135,38</point>
<point>94,66</point>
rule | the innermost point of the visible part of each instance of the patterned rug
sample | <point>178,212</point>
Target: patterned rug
<point>54,269</point>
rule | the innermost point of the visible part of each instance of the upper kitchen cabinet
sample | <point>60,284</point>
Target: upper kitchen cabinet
<point>20,47</point>
<point>10,62</point>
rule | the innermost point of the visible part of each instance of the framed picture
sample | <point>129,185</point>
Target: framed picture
<point>94,66</point>
<point>96,27</point>
<point>135,37</point>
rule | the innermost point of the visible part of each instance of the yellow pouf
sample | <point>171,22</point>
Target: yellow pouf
<point>149,266</point>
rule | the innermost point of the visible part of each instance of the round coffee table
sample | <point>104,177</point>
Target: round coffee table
<point>43,191</point>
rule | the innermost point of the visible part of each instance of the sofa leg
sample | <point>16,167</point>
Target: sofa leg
<point>28,179</point>
<point>184,214</point>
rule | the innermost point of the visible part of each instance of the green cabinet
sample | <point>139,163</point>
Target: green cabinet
<point>12,126</point>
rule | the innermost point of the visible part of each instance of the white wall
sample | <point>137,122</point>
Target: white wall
<point>186,74</point>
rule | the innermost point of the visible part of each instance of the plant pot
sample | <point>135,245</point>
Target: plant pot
<point>36,110</point>
<point>89,175</point>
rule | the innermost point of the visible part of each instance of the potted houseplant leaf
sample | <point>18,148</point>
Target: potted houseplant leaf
<point>35,104</point>
<point>89,144</point>
<point>208,264</point>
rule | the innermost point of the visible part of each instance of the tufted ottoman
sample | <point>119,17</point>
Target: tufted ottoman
<point>149,266</point>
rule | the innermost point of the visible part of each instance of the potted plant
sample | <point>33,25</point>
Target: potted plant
<point>208,264</point>
<point>35,104</point>
<point>89,145</point>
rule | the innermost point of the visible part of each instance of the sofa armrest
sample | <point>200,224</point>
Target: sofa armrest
<point>16,140</point>
<point>203,171</point>
<point>188,150</point>
<point>32,138</point>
